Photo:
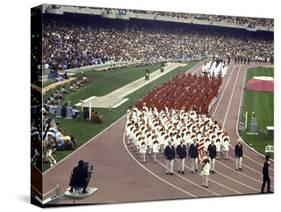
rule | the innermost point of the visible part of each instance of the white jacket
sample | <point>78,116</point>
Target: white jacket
<point>225,146</point>
<point>143,148</point>
<point>206,169</point>
<point>155,148</point>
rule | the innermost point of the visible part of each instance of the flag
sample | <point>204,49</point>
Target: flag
<point>200,149</point>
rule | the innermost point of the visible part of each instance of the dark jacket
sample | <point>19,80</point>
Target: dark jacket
<point>265,169</point>
<point>212,149</point>
<point>79,176</point>
<point>238,150</point>
<point>169,152</point>
<point>193,151</point>
<point>181,151</point>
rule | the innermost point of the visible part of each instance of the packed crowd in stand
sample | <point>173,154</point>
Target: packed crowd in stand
<point>151,131</point>
<point>184,91</point>
<point>68,45</point>
<point>233,20</point>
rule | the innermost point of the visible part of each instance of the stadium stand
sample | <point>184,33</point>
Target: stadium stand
<point>70,42</point>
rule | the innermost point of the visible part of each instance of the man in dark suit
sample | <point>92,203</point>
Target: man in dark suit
<point>80,177</point>
<point>212,149</point>
<point>170,155</point>
<point>181,153</point>
<point>265,173</point>
<point>193,154</point>
<point>238,150</point>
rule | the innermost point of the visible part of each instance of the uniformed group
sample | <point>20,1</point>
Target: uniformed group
<point>177,134</point>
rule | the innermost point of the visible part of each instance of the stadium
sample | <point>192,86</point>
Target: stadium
<point>149,98</point>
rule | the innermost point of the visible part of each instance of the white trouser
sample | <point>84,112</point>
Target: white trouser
<point>194,164</point>
<point>143,157</point>
<point>213,161</point>
<point>169,166</point>
<point>218,154</point>
<point>238,162</point>
<point>181,163</point>
<point>155,157</point>
<point>225,154</point>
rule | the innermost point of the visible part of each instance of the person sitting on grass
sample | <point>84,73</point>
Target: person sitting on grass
<point>73,88</point>
<point>79,83</point>
<point>84,78</point>
<point>58,95</point>
<point>75,112</point>
<point>96,118</point>
<point>63,90</point>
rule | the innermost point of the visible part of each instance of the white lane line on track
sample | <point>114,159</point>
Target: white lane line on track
<point>185,179</point>
<point>224,89</point>
<point>239,172</point>
<point>91,139</point>
<point>222,185</point>
<point>244,165</point>
<point>217,105</point>
<point>152,173</point>
<point>238,118</point>
<point>229,103</point>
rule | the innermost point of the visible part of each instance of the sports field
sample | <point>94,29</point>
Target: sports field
<point>262,103</point>
<point>102,83</point>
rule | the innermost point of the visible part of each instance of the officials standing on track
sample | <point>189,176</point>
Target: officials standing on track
<point>170,155</point>
<point>238,150</point>
<point>181,155</point>
<point>265,174</point>
<point>193,154</point>
<point>212,154</point>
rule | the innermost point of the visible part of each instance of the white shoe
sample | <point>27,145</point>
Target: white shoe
<point>51,164</point>
<point>55,161</point>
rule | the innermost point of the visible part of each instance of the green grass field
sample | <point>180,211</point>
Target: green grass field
<point>105,82</point>
<point>100,84</point>
<point>262,103</point>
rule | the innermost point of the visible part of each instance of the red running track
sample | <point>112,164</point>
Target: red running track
<point>120,177</point>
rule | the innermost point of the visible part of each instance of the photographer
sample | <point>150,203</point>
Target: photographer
<point>80,177</point>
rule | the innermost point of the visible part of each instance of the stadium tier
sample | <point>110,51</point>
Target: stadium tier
<point>74,40</point>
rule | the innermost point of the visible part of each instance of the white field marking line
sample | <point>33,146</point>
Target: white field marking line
<point>195,184</point>
<point>238,118</point>
<point>224,186</point>
<point>224,89</point>
<point>258,172</point>
<point>238,172</point>
<point>229,103</point>
<point>87,141</point>
<point>245,156</point>
<point>84,144</point>
<point>152,173</point>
